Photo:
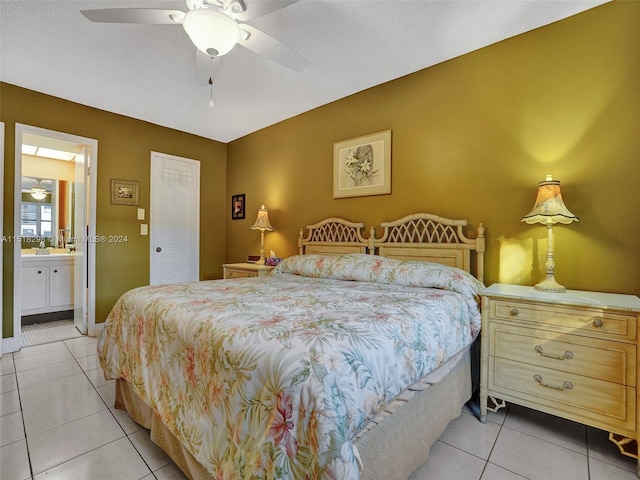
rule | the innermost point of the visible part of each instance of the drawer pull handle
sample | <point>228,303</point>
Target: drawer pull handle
<point>565,356</point>
<point>597,323</point>
<point>564,386</point>
<point>514,312</point>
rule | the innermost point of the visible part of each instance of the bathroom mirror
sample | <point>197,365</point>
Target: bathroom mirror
<point>46,212</point>
<point>48,173</point>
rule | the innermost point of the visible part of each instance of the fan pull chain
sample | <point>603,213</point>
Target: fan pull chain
<point>211,95</point>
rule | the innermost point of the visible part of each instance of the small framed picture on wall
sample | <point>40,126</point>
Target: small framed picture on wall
<point>237,207</point>
<point>124,192</point>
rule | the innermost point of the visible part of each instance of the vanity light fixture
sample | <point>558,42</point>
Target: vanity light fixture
<point>549,209</point>
<point>262,224</point>
<point>47,152</point>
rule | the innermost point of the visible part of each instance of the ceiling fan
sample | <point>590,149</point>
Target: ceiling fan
<point>214,26</point>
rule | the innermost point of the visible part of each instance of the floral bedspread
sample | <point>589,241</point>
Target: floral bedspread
<point>271,377</point>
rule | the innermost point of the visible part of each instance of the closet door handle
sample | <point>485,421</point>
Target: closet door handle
<point>39,271</point>
<point>55,271</point>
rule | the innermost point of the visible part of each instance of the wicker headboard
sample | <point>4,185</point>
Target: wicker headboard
<point>333,236</point>
<point>421,236</point>
<point>427,237</point>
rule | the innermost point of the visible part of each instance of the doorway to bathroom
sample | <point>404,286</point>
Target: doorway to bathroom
<point>54,222</point>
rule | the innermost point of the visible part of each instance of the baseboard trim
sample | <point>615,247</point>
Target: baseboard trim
<point>9,345</point>
<point>97,328</point>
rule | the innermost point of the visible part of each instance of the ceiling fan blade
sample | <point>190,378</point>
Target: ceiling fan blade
<point>206,67</point>
<point>257,8</point>
<point>267,46</point>
<point>134,15</point>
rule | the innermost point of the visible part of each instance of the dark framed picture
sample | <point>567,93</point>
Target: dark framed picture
<point>237,207</point>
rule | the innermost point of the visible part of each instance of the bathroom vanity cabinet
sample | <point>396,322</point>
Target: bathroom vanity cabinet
<point>46,283</point>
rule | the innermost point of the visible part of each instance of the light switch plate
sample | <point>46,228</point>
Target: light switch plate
<point>141,214</point>
<point>144,229</point>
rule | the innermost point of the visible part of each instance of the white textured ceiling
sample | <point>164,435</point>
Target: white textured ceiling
<point>148,71</point>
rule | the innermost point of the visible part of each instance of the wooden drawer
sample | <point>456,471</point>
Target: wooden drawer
<point>244,270</point>
<point>233,273</point>
<point>579,321</point>
<point>599,359</point>
<point>605,405</point>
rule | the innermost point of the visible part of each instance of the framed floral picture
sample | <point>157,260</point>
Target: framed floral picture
<point>362,166</point>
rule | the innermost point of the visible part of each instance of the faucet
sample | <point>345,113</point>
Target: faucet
<point>42,250</point>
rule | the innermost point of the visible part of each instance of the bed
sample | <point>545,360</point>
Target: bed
<point>346,362</point>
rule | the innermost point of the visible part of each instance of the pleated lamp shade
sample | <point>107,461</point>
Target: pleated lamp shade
<point>262,221</point>
<point>549,206</point>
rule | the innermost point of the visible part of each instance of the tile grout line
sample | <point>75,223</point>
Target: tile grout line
<point>26,438</point>
<point>126,435</point>
<point>24,425</point>
<point>495,442</point>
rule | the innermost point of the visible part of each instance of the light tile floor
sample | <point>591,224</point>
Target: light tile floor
<point>57,422</point>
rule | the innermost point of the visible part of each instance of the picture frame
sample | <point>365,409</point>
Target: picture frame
<point>362,166</point>
<point>237,206</point>
<point>125,192</point>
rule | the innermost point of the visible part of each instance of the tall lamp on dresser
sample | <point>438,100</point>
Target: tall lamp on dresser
<point>549,209</point>
<point>262,224</point>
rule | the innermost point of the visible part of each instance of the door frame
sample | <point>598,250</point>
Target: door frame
<point>90,247</point>
<point>1,223</point>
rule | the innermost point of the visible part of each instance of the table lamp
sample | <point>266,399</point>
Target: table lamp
<point>262,224</point>
<point>549,209</point>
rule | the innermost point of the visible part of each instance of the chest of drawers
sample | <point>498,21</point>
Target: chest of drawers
<point>573,354</point>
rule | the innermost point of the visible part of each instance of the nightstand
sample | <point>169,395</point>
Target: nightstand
<point>573,355</point>
<point>243,270</point>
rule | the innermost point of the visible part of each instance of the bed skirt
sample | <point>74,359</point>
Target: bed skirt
<point>397,445</point>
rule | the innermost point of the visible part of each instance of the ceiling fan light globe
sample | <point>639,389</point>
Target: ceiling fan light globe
<point>211,31</point>
<point>38,191</point>
<point>38,195</point>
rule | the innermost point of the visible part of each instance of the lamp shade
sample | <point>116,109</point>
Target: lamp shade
<point>549,207</point>
<point>262,221</point>
<point>212,32</point>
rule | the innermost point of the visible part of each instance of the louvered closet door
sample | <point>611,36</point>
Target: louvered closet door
<point>175,219</point>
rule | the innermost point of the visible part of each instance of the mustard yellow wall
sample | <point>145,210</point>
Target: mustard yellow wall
<point>471,139</point>
<point>124,150</point>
